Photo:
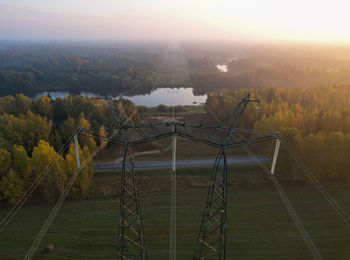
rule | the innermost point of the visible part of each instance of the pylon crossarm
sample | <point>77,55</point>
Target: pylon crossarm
<point>150,139</point>
<point>229,145</point>
<point>211,242</point>
<point>200,140</point>
<point>206,134</point>
<point>242,142</point>
<point>237,113</point>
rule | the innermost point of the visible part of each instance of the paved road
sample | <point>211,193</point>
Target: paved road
<point>144,165</point>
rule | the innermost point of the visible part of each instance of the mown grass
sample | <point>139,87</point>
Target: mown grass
<point>259,226</point>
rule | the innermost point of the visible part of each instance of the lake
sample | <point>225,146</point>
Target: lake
<point>166,96</point>
<point>224,67</point>
<point>221,67</point>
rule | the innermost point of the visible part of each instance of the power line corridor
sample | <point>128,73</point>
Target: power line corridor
<point>223,136</point>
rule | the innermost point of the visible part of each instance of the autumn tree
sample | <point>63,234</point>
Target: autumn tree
<point>26,129</point>
<point>35,128</point>
<point>67,129</point>
<point>335,155</point>
<point>314,154</point>
<point>55,180</point>
<point>286,165</point>
<point>11,187</point>
<point>128,110</point>
<point>5,161</point>
<point>43,106</point>
<point>7,105</point>
<point>21,162</point>
<point>22,104</point>
<point>82,183</point>
<point>103,135</point>
<point>84,140</point>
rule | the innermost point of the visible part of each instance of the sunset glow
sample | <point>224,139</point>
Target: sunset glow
<point>266,21</point>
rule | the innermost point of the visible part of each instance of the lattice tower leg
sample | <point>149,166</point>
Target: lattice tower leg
<point>211,242</point>
<point>131,234</point>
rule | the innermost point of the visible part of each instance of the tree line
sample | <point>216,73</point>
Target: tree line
<point>273,75</point>
<point>314,121</point>
<point>268,66</point>
<point>32,134</point>
<point>29,69</point>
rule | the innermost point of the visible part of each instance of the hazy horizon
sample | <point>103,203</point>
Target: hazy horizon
<point>250,21</point>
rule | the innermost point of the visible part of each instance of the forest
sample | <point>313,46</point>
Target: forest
<point>315,122</point>
<point>34,68</point>
<point>303,92</point>
<point>118,68</point>
<point>262,66</point>
<point>33,133</point>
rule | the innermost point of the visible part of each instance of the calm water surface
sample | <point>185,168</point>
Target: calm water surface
<point>221,67</point>
<point>166,96</point>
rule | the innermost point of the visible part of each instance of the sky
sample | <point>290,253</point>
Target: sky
<point>242,21</point>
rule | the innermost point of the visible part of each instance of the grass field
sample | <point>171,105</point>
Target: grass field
<point>186,149</point>
<point>179,110</point>
<point>259,226</point>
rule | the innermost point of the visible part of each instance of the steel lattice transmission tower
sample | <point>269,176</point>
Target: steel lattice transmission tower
<point>131,240</point>
<point>131,235</point>
<point>211,242</point>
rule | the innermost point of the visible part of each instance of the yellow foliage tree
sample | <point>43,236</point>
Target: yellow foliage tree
<point>53,184</point>
<point>82,183</point>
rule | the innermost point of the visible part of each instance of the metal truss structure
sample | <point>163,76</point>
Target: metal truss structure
<point>131,235</point>
<point>211,241</point>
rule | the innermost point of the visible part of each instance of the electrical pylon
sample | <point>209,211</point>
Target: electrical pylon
<point>131,240</point>
<point>131,235</point>
<point>211,242</point>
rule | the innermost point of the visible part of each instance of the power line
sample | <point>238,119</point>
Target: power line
<point>19,204</point>
<point>303,232</point>
<point>172,246</point>
<point>337,208</point>
<point>58,205</point>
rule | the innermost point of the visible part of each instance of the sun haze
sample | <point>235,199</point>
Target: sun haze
<point>249,21</point>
